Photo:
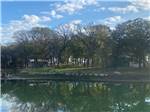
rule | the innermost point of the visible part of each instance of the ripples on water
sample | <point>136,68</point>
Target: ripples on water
<point>75,97</point>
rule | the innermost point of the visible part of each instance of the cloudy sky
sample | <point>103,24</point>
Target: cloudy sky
<point>25,14</point>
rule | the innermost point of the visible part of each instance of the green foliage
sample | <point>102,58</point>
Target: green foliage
<point>132,40</point>
<point>91,45</point>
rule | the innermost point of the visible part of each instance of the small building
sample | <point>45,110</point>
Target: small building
<point>148,59</point>
<point>38,63</point>
<point>42,62</point>
<point>135,64</point>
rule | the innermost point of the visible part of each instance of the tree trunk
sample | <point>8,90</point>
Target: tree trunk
<point>80,63</point>
<point>140,62</point>
<point>92,63</point>
<point>144,62</point>
<point>88,62</point>
<point>59,60</point>
<point>103,62</point>
<point>36,62</point>
<point>84,62</point>
<point>51,62</point>
<point>67,60</point>
<point>26,62</point>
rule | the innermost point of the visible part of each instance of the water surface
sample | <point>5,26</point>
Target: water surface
<point>75,97</point>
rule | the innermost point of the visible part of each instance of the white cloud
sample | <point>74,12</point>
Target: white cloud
<point>124,10</point>
<point>26,23</point>
<point>53,12</point>
<point>45,18</point>
<point>112,21</point>
<point>45,12</point>
<point>54,15</point>
<point>99,9</point>
<point>134,6</point>
<point>75,22</point>
<point>31,18</point>
<point>71,6</point>
<point>71,26</point>
<point>147,18</point>
<point>58,16</point>
<point>142,4</point>
<point>102,8</point>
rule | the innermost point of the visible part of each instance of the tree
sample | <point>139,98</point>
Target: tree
<point>41,38</point>
<point>97,42</point>
<point>90,45</point>
<point>23,45</point>
<point>133,40</point>
<point>64,35</point>
<point>104,44</point>
<point>77,50</point>
<point>87,36</point>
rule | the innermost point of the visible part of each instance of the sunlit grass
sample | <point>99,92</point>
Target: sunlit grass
<point>89,70</point>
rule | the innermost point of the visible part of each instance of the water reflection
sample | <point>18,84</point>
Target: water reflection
<point>75,97</point>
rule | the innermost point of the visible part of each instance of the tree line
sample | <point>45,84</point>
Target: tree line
<point>85,45</point>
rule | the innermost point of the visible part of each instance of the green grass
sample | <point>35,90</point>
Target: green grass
<point>134,71</point>
<point>49,70</point>
<point>89,70</point>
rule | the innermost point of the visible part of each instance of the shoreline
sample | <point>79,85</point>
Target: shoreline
<point>79,78</point>
<point>79,74</point>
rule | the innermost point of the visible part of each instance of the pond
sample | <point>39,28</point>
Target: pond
<point>75,97</point>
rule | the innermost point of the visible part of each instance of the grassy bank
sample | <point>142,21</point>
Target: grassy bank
<point>89,70</point>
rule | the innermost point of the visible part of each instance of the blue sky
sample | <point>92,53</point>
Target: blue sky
<point>23,15</point>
